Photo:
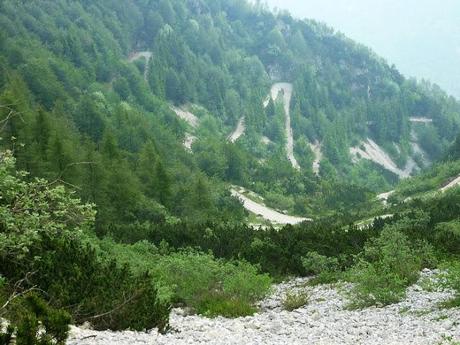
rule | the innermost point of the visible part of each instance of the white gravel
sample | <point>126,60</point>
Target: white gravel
<point>239,131</point>
<point>324,321</point>
<point>264,211</point>
<point>187,116</point>
<point>373,152</point>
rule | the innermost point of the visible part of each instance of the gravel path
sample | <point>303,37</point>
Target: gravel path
<point>324,321</point>
<point>265,212</point>
<point>239,131</point>
<point>420,120</point>
<point>137,55</point>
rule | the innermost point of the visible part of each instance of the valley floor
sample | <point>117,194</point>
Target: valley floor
<point>325,320</point>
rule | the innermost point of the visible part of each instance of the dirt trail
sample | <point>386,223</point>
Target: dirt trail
<point>265,212</point>
<point>286,88</point>
<point>452,184</point>
<point>316,148</point>
<point>239,131</point>
<point>137,55</point>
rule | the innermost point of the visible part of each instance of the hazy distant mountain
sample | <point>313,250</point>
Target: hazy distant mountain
<point>421,37</point>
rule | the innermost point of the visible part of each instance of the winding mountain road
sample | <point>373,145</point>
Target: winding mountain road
<point>266,212</point>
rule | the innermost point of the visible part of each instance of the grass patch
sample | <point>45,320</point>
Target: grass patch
<point>295,300</point>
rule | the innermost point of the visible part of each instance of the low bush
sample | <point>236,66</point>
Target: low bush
<point>208,285</point>
<point>387,266</point>
<point>34,322</point>
<point>45,237</point>
<point>212,286</point>
<point>326,269</point>
<point>451,279</point>
<point>447,236</point>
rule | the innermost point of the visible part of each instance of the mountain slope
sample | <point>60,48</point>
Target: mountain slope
<point>113,80</point>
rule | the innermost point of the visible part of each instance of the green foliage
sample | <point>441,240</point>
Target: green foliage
<point>212,286</point>
<point>451,279</point>
<point>448,236</point>
<point>387,266</point>
<point>48,231</point>
<point>34,322</point>
<point>324,268</point>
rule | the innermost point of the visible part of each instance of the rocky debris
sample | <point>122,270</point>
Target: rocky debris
<point>383,197</point>
<point>187,116</point>
<point>325,320</point>
<point>454,183</point>
<point>189,140</point>
<point>420,120</point>
<point>370,150</point>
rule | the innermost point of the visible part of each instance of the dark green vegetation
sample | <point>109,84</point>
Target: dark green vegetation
<point>84,115</point>
<point>115,221</point>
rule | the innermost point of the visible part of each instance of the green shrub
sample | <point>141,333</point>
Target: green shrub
<point>45,230</point>
<point>34,322</point>
<point>316,263</point>
<point>451,279</point>
<point>325,268</point>
<point>213,305</point>
<point>386,267</point>
<point>447,236</point>
<point>295,299</point>
<point>212,286</point>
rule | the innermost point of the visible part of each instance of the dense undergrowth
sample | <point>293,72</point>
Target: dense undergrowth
<point>55,270</point>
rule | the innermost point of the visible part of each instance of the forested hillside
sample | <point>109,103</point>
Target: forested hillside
<point>134,134</point>
<point>80,107</point>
